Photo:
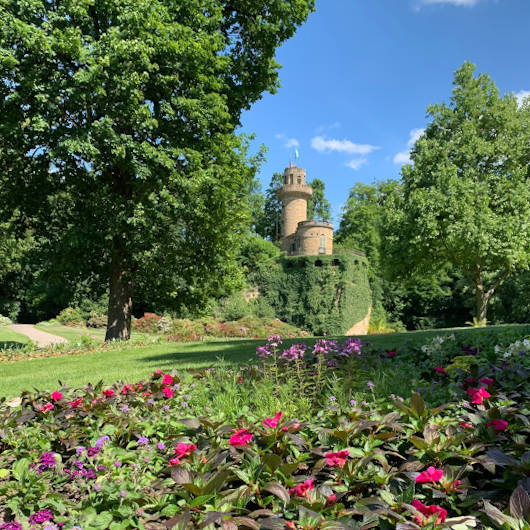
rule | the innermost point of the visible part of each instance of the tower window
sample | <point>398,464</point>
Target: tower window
<point>299,179</point>
<point>291,178</point>
<point>322,246</point>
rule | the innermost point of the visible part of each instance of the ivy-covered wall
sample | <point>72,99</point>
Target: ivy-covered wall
<point>323,294</point>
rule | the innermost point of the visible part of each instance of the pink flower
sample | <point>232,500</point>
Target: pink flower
<point>168,392</point>
<point>272,422</point>
<point>487,381</point>
<point>440,370</point>
<point>331,499</point>
<point>391,354</point>
<point>470,380</point>
<point>108,393</point>
<point>175,461</point>
<point>431,475</point>
<point>75,403</point>
<point>303,489</point>
<point>57,396</point>
<point>466,425</point>
<point>167,380</point>
<point>478,395</point>
<point>240,438</point>
<point>184,449</point>
<point>47,407</point>
<point>498,425</point>
<point>158,371</point>
<point>428,511</point>
<point>125,389</point>
<point>337,459</point>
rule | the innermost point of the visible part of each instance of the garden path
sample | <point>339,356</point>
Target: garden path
<point>41,338</point>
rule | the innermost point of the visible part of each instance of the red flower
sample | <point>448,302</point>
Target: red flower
<point>391,354</point>
<point>108,393</point>
<point>239,379</point>
<point>57,396</point>
<point>466,425</point>
<point>182,450</point>
<point>487,381</point>
<point>240,438</point>
<point>428,511</point>
<point>167,380</point>
<point>431,475</point>
<point>498,425</point>
<point>303,489</point>
<point>168,392</point>
<point>272,422</point>
<point>125,389</point>
<point>331,499</point>
<point>75,403</point>
<point>478,395</point>
<point>337,459</point>
<point>290,524</point>
<point>47,407</point>
<point>440,370</point>
<point>470,380</point>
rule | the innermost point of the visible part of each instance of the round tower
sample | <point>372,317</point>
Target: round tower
<point>294,195</point>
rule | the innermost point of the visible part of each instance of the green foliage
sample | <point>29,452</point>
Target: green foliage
<point>318,206</point>
<point>123,115</point>
<point>71,317</point>
<point>466,199</point>
<point>267,223</point>
<point>5,321</point>
<point>323,294</point>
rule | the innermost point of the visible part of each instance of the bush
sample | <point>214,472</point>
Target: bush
<point>148,323</point>
<point>71,316</point>
<point>5,321</point>
<point>96,320</point>
<point>233,307</point>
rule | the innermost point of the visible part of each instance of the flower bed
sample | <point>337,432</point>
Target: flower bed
<point>129,455</point>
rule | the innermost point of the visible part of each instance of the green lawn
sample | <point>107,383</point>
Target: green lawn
<point>11,339</point>
<point>132,364</point>
<point>71,333</point>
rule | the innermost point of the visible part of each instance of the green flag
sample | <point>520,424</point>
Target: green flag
<point>296,154</point>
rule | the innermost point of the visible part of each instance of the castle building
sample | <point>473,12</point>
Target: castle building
<point>301,237</point>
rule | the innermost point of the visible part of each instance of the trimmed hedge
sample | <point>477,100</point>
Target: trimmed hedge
<point>324,294</point>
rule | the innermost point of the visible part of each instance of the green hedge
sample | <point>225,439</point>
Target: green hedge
<point>323,294</point>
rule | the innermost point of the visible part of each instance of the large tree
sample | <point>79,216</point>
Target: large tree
<point>268,220</point>
<point>117,140</point>
<point>466,197</point>
<point>318,206</point>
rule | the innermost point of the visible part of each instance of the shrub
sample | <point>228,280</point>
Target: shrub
<point>71,317</point>
<point>148,323</point>
<point>96,320</point>
<point>5,321</point>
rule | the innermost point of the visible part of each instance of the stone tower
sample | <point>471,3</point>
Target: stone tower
<point>300,236</point>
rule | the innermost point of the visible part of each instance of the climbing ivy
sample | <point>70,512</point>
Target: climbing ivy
<point>323,294</point>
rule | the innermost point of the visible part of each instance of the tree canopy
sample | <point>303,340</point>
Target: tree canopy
<point>318,206</point>
<point>117,133</point>
<point>466,197</point>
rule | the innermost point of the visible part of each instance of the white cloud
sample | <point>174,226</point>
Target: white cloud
<point>403,157</point>
<point>458,3</point>
<point>356,163</point>
<point>288,142</point>
<point>322,145</point>
<point>322,128</point>
<point>521,95</point>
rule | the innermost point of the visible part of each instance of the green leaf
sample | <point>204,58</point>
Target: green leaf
<point>277,489</point>
<point>20,467</point>
<point>417,404</point>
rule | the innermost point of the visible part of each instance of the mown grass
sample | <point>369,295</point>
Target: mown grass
<point>11,339</point>
<point>71,333</point>
<point>131,364</point>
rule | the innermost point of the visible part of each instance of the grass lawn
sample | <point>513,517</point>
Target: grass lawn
<point>132,364</point>
<point>11,339</point>
<point>71,333</point>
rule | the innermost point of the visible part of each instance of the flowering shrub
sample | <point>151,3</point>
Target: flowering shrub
<point>129,455</point>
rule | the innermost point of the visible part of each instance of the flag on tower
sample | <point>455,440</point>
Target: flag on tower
<point>296,154</point>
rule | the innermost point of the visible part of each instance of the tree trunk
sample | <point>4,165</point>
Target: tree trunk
<point>482,299</point>
<point>120,296</point>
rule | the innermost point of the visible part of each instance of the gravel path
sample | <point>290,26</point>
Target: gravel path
<point>41,338</point>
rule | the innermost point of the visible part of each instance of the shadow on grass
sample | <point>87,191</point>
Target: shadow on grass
<point>11,345</point>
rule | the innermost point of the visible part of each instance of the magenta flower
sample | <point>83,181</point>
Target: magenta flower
<point>431,475</point>
<point>13,525</point>
<point>108,393</point>
<point>478,395</point>
<point>167,392</point>
<point>240,438</point>
<point>41,517</point>
<point>440,370</point>
<point>47,407</point>
<point>272,422</point>
<point>303,489</point>
<point>428,511</point>
<point>498,425</point>
<point>487,381</point>
<point>337,459</point>
<point>57,396</point>
<point>167,380</point>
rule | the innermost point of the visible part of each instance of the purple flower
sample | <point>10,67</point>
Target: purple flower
<point>117,463</point>
<point>353,402</point>
<point>13,525</point>
<point>184,404</point>
<point>79,450</point>
<point>46,461</point>
<point>123,494</point>
<point>97,486</point>
<point>143,440</point>
<point>125,408</point>
<point>101,442</point>
<point>41,517</point>
<point>101,468</point>
<point>176,386</point>
<point>166,407</point>
<point>392,396</point>
<point>400,399</point>
<point>332,398</point>
<point>370,384</point>
<point>51,527</point>
<point>150,401</point>
<point>161,446</point>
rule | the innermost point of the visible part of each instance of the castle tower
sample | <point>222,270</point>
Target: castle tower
<point>300,236</point>
<point>294,195</point>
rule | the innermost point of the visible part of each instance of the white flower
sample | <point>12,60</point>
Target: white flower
<point>497,349</point>
<point>507,354</point>
<point>517,343</point>
<point>526,343</point>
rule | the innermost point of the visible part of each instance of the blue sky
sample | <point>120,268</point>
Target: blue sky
<point>358,76</point>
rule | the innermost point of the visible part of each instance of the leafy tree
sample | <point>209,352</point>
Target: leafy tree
<point>318,206</point>
<point>268,222</point>
<point>466,198</point>
<point>117,140</point>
